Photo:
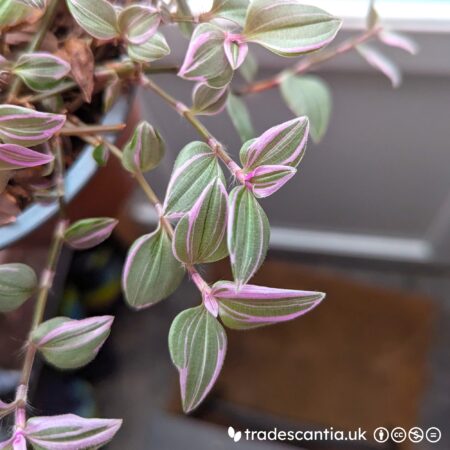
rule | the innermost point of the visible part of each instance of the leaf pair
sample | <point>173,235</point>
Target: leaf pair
<point>136,24</point>
<point>198,342</point>
<point>68,432</point>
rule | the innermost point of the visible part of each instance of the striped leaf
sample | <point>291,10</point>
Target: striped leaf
<point>382,63</point>
<point>289,28</point>
<point>230,10</point>
<point>248,234</point>
<point>71,344</point>
<point>38,4</point>
<point>27,127</point>
<point>70,432</point>
<point>200,236</point>
<point>236,50</point>
<point>16,442</point>
<point>151,272</point>
<point>309,96</point>
<point>205,59</point>
<point>208,101</point>
<point>12,13</point>
<point>197,344</point>
<point>283,144</point>
<point>97,17</point>
<point>138,23</point>
<point>18,283</point>
<point>145,150</point>
<point>17,157</point>
<point>195,168</point>
<point>41,71</point>
<point>266,180</point>
<point>256,306</point>
<point>154,48</point>
<point>88,233</point>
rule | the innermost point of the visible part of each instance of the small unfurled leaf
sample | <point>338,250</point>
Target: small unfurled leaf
<point>151,272</point>
<point>194,169</point>
<point>372,16</point>
<point>154,48</point>
<point>70,432</point>
<point>282,144</point>
<point>88,233</point>
<point>309,96</point>
<point>236,50</point>
<point>38,4</point>
<point>205,59</point>
<point>144,151</point>
<point>100,155</point>
<point>289,28</point>
<point>12,13</point>
<point>249,68</point>
<point>138,23</point>
<point>197,343</point>
<point>266,180</point>
<point>18,283</point>
<point>97,17</point>
<point>200,235</point>
<point>71,344</point>
<point>240,117</point>
<point>27,127</point>
<point>82,64</point>
<point>41,71</point>
<point>208,101</point>
<point>398,40</point>
<point>111,93</point>
<point>232,10</point>
<point>14,156</point>
<point>376,59</point>
<point>256,306</point>
<point>248,234</point>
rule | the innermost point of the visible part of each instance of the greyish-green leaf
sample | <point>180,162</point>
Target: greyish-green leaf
<point>240,117</point>
<point>197,343</point>
<point>309,96</point>
<point>18,283</point>
<point>151,272</point>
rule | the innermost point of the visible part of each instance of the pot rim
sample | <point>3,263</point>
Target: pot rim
<point>77,177</point>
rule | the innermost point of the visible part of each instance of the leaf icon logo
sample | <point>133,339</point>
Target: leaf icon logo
<point>235,435</point>
<point>231,432</point>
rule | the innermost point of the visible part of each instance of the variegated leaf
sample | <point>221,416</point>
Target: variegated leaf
<point>378,60</point>
<point>38,4</point>
<point>283,144</point>
<point>154,48</point>
<point>151,272</point>
<point>138,23</point>
<point>71,344</point>
<point>231,10</point>
<point>208,101</point>
<point>197,344</point>
<point>88,233</point>
<point>12,13</point>
<point>256,306</point>
<point>200,235</point>
<point>236,50</point>
<point>16,442</point>
<point>194,169</point>
<point>27,127</point>
<point>289,28</point>
<point>97,17</point>
<point>309,96</point>
<point>14,156</point>
<point>145,150</point>
<point>18,283</point>
<point>266,180</point>
<point>240,117</point>
<point>41,71</point>
<point>248,234</point>
<point>70,432</point>
<point>205,59</point>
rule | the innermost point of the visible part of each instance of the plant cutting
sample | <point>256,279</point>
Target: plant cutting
<point>59,60</point>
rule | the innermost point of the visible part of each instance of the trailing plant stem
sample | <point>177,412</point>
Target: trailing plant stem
<point>307,63</point>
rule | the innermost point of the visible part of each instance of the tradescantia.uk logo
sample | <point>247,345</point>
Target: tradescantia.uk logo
<point>235,435</point>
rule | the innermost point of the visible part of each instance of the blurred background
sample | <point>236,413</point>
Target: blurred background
<point>366,220</point>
